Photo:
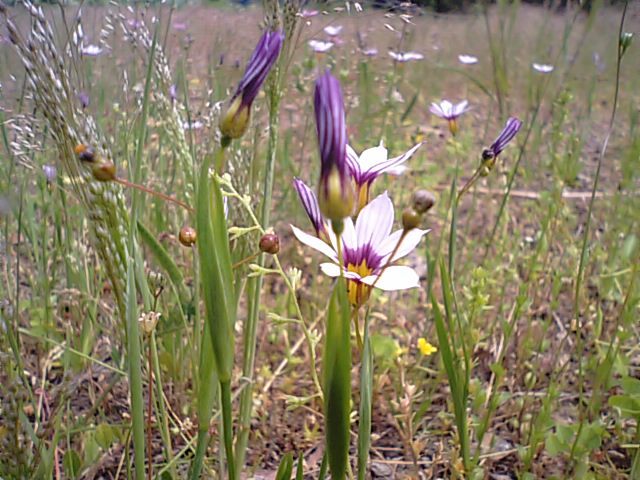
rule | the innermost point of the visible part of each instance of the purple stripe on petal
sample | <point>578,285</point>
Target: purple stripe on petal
<point>330,124</point>
<point>310,204</point>
<point>509,131</point>
<point>262,60</point>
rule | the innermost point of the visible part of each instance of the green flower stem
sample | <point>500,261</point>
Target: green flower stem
<point>227,422</point>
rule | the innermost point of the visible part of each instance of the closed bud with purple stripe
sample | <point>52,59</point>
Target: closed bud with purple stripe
<point>335,192</point>
<point>236,120</point>
<point>508,132</point>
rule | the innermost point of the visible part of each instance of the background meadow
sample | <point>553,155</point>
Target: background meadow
<point>544,268</point>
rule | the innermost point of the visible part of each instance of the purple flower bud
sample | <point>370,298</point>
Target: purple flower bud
<point>310,204</point>
<point>83,98</point>
<point>335,193</point>
<point>50,172</point>
<point>236,120</point>
<point>173,92</point>
<point>259,66</point>
<point>508,132</point>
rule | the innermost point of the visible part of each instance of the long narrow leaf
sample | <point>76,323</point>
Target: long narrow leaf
<point>216,272</point>
<point>337,380</point>
<point>366,388</point>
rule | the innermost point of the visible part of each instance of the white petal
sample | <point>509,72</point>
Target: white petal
<point>333,270</point>
<point>314,243</point>
<point>392,163</point>
<point>396,171</point>
<point>409,243</point>
<point>396,277</point>
<point>375,221</point>
<point>372,157</point>
<point>460,108</point>
<point>436,110</point>
<point>349,236</point>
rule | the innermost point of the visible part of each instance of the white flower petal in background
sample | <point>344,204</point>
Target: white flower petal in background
<point>370,52</point>
<point>403,57</point>
<point>333,31</point>
<point>92,50</point>
<point>467,59</point>
<point>319,46</point>
<point>542,67</point>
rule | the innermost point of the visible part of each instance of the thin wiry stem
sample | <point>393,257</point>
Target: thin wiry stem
<point>585,240</point>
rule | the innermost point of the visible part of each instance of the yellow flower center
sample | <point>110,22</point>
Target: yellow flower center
<point>358,292</point>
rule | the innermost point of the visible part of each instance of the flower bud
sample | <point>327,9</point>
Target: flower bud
<point>625,41</point>
<point>335,191</point>
<point>270,243</point>
<point>236,119</point>
<point>423,200</point>
<point>187,236</point>
<point>410,219</point>
<point>104,171</point>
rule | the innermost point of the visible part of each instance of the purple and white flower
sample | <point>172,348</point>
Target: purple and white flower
<point>467,59</point>
<point>369,52</point>
<point>449,112</point>
<point>542,67</point>
<point>372,163</point>
<point>333,31</point>
<point>403,57</point>
<point>366,248</point>
<point>308,13</point>
<point>319,46</point>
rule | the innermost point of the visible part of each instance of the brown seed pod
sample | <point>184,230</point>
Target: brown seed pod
<point>423,200</point>
<point>410,219</point>
<point>187,236</point>
<point>270,243</point>
<point>104,172</point>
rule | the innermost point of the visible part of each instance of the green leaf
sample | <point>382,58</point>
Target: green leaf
<point>628,406</point>
<point>366,393</point>
<point>72,463</point>
<point>337,380</point>
<point>384,348</point>
<point>216,272</point>
<point>300,468</point>
<point>105,435</point>
<point>285,468</point>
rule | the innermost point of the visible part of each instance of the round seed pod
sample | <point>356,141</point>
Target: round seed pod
<point>187,236</point>
<point>423,200</point>
<point>270,243</point>
<point>410,219</point>
<point>104,172</point>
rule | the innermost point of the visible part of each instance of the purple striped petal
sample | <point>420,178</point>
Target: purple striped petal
<point>310,204</point>
<point>509,131</point>
<point>330,124</point>
<point>262,60</point>
<point>353,163</point>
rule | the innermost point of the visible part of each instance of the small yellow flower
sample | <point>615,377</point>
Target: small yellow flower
<point>425,347</point>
